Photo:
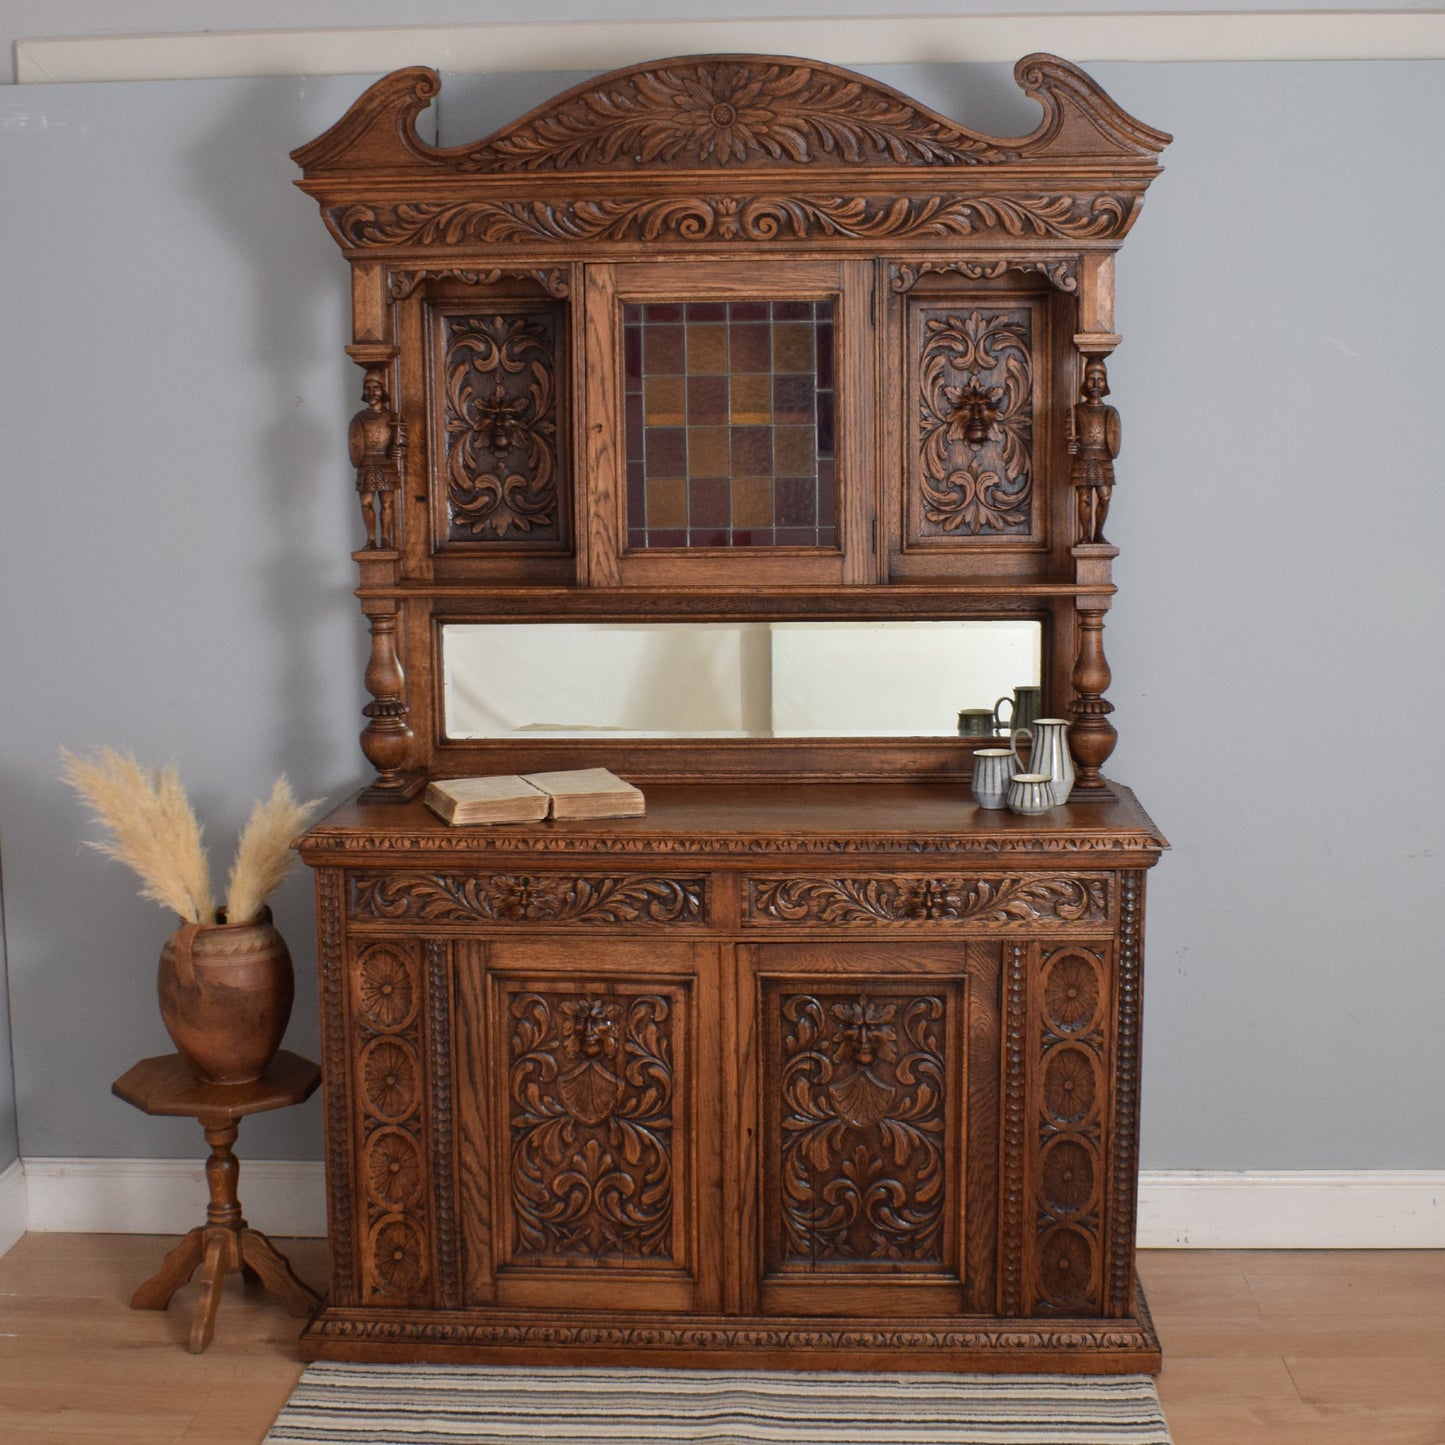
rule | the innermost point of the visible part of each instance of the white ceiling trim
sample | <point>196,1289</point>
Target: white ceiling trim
<point>604,45</point>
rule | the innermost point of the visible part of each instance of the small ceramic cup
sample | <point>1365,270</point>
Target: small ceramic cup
<point>1030,793</point>
<point>975,722</point>
<point>992,770</point>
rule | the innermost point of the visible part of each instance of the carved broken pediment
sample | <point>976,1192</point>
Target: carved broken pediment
<point>730,112</point>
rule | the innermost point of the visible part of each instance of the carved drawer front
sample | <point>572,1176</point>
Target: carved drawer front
<point>583,1112</point>
<point>592,900</point>
<point>871,901</point>
<point>865,1185</point>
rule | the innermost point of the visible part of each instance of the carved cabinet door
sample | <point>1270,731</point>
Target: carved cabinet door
<point>587,1128</point>
<point>874,1097</point>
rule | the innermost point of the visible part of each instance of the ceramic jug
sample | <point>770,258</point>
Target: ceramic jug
<point>1030,793</point>
<point>992,770</point>
<point>1049,754</point>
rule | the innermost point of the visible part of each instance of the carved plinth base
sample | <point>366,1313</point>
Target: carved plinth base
<point>402,790</point>
<point>533,1337</point>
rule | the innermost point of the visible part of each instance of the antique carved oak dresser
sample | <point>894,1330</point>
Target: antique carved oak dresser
<point>817,1064</point>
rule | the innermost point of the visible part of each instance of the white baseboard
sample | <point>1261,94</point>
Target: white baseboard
<point>1178,1209</point>
<point>13,1212</point>
<point>1304,1209</point>
<point>283,1197</point>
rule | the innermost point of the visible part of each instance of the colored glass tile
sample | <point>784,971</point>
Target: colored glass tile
<point>795,502</point>
<point>665,401</point>
<point>707,400</point>
<point>795,451</point>
<point>707,451</point>
<point>752,450</point>
<point>750,347</point>
<point>666,502</point>
<point>751,401</point>
<point>708,503</point>
<point>666,452</point>
<point>707,350</point>
<point>664,349</point>
<point>752,501</point>
<point>793,347</point>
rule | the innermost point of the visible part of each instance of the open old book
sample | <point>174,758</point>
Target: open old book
<point>522,798</point>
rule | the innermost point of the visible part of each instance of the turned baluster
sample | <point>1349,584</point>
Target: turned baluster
<point>387,737</point>
<point>1092,736</point>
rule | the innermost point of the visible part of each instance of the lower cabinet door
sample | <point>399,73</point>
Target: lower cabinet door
<point>872,1106</point>
<point>587,1126</point>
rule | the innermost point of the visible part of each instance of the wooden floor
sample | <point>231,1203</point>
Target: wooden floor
<point>1287,1348</point>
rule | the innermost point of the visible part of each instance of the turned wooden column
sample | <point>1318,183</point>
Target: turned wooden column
<point>1092,736</point>
<point>387,737</point>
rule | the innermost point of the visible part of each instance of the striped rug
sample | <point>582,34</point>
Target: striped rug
<point>422,1404</point>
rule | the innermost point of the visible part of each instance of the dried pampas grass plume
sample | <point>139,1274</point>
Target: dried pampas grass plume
<point>263,855</point>
<point>153,830</point>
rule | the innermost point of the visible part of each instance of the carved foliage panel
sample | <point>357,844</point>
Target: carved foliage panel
<point>593,1114</point>
<point>390,1088</point>
<point>499,422</point>
<point>874,900</point>
<point>1071,1010</point>
<point>860,1113</point>
<point>974,417</point>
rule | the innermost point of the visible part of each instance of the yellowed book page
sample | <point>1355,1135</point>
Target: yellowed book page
<point>589,793</point>
<point>505,798</point>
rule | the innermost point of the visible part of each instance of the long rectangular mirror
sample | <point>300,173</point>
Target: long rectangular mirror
<point>729,679</point>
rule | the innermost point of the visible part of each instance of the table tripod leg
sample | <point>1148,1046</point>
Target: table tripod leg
<point>180,1264</point>
<point>212,1279</point>
<point>276,1274</point>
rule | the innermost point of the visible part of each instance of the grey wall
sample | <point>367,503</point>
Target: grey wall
<point>9,1128</point>
<point>178,513</point>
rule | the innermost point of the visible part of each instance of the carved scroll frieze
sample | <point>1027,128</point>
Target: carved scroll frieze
<point>403,283</point>
<point>728,218</point>
<point>871,900</point>
<point>744,112</point>
<point>861,1124</point>
<point>1062,844</point>
<point>1062,272</point>
<point>592,1106</point>
<point>975,423</point>
<point>923,1335</point>
<point>500,422</point>
<point>528,898</point>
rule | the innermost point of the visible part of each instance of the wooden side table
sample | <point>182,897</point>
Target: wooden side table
<point>224,1244</point>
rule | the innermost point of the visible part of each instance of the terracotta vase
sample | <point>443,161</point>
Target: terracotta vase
<point>225,994</point>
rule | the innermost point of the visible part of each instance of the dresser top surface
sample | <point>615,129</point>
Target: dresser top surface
<point>723,820</point>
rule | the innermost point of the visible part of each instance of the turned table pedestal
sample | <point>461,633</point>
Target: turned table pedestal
<point>224,1244</point>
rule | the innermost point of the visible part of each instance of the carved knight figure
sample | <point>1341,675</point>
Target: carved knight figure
<point>1093,444</point>
<point>378,451</point>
